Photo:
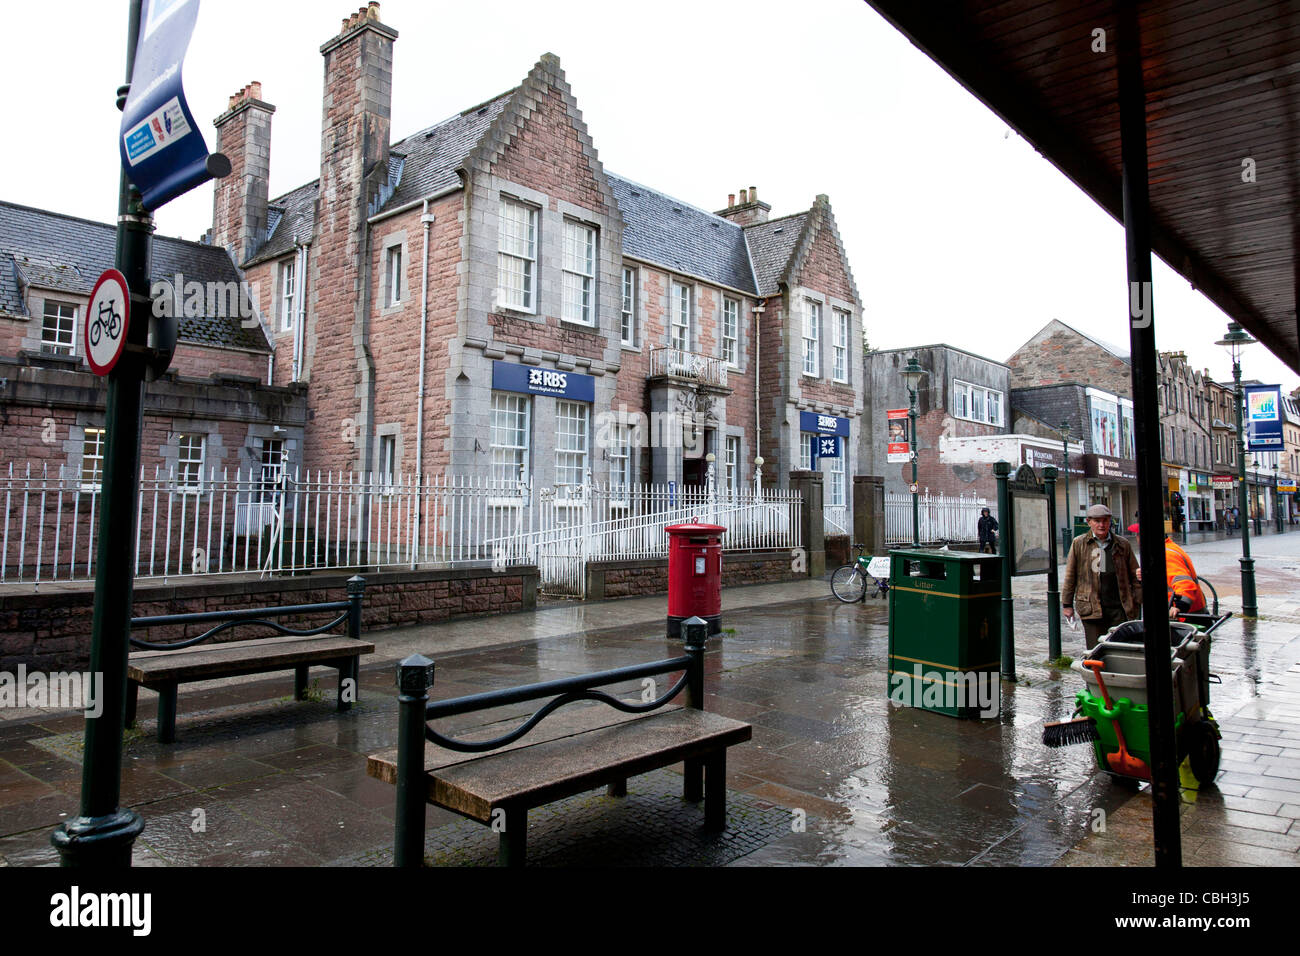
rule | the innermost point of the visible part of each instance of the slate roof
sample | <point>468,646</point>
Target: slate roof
<point>671,233</point>
<point>296,211</point>
<point>67,254</point>
<point>11,296</point>
<point>772,244</point>
<point>434,154</point>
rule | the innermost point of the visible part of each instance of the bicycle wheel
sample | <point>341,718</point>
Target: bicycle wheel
<point>848,584</point>
<point>95,332</point>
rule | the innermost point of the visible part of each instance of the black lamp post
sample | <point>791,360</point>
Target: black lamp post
<point>912,374</point>
<point>1234,342</point>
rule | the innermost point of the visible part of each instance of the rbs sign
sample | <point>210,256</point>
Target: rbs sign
<point>507,377</point>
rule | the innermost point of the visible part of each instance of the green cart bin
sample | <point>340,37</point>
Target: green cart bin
<point>945,627</point>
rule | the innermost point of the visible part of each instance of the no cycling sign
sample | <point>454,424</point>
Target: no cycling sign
<point>104,330</point>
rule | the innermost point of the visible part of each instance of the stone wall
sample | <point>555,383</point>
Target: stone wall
<point>52,630</point>
<point>648,576</point>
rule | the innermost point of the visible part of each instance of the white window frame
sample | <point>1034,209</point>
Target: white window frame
<point>620,463</point>
<point>679,332</point>
<point>387,470</point>
<point>731,331</point>
<point>272,466</point>
<point>93,445</point>
<point>806,451</point>
<point>971,403</point>
<point>393,274</point>
<point>812,320</point>
<point>508,454</point>
<point>579,274</point>
<point>629,330</point>
<point>572,445</point>
<point>517,256</point>
<point>288,270</point>
<point>835,479</point>
<point>189,469</point>
<point>62,312</point>
<point>732,459</point>
<point>841,364</point>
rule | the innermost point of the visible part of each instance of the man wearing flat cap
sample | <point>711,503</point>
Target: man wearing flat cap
<point>1103,583</point>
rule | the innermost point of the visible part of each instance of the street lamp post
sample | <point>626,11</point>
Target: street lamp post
<point>1255,499</point>
<point>912,374</point>
<point>1234,341</point>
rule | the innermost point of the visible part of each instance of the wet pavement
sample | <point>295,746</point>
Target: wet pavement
<point>835,774</point>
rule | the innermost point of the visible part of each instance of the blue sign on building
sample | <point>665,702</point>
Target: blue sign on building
<point>828,446</point>
<point>1264,418</point>
<point>823,424</point>
<point>507,377</point>
<point>163,152</point>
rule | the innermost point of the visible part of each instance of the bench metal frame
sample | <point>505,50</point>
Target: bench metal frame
<point>348,667</point>
<point>415,677</point>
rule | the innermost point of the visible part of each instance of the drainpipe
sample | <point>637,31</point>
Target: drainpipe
<point>427,219</point>
<point>758,371</point>
<point>298,330</point>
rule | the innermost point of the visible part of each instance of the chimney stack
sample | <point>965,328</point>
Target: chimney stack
<point>749,211</point>
<point>239,200</point>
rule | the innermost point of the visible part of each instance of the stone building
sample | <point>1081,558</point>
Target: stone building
<point>214,409</point>
<point>482,298</point>
<point>1063,377</point>
<point>1186,415</point>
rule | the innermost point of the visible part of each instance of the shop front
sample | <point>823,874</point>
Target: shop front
<point>824,443</point>
<point>1112,482</point>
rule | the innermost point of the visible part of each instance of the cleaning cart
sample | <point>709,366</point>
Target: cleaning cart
<point>1112,711</point>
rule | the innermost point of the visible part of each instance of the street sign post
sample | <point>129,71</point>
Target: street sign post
<point>163,156</point>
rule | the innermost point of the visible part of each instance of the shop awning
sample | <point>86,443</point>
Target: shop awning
<point>1222,84</point>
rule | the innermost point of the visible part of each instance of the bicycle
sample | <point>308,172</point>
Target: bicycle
<point>112,323</point>
<point>849,583</point>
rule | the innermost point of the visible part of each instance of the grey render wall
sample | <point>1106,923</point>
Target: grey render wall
<point>885,389</point>
<point>1053,404</point>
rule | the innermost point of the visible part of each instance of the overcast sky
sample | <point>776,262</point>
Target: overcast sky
<point>956,230</point>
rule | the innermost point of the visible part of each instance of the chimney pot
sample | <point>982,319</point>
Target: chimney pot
<point>255,89</point>
<point>731,200</point>
<point>753,194</point>
<point>744,197</point>
<point>372,11</point>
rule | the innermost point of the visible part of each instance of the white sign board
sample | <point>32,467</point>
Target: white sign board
<point>878,567</point>
<point>104,328</point>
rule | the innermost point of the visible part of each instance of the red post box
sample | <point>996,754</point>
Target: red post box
<point>694,575</point>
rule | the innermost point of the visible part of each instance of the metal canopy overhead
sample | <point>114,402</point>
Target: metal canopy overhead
<point>1222,83</point>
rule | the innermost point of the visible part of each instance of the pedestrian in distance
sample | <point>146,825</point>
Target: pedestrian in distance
<point>988,532</point>
<point>1103,583</point>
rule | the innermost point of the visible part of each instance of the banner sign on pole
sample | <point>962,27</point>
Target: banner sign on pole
<point>163,152</point>
<point>1263,418</point>
<point>899,447</point>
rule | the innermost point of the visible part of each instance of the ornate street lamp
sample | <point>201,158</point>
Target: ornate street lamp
<point>912,374</point>
<point>1234,342</point>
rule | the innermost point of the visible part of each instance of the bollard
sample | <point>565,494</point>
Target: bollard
<point>414,678</point>
<point>356,591</point>
<point>695,633</point>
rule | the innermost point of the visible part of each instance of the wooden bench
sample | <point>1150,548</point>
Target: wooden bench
<point>577,752</point>
<point>164,667</point>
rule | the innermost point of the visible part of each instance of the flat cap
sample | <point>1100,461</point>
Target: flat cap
<point>1099,511</point>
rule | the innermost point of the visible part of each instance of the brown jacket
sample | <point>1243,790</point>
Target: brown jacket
<point>1082,576</point>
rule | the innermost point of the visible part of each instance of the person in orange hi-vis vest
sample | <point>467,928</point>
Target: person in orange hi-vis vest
<point>1184,593</point>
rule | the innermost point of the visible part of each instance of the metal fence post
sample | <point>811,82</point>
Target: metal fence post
<point>414,678</point>
<point>1002,472</point>
<point>1053,595</point>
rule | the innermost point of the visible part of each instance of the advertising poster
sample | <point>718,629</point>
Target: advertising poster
<point>1264,418</point>
<point>899,447</point>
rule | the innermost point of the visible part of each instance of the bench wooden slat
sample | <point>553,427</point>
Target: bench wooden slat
<point>239,657</point>
<point>552,769</point>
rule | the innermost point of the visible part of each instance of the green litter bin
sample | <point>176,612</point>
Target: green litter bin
<point>945,626</point>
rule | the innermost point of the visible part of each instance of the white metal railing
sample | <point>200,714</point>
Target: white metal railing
<point>941,518</point>
<point>836,518</point>
<point>249,522</point>
<point>705,369</point>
